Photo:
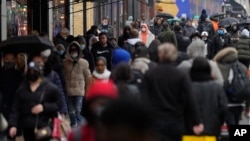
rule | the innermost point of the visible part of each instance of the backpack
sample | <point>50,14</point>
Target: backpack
<point>236,85</point>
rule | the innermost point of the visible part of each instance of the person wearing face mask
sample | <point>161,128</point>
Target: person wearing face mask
<point>207,41</point>
<point>78,77</point>
<point>60,50</point>
<point>235,33</point>
<point>11,78</point>
<point>221,40</point>
<point>37,101</point>
<point>99,95</point>
<point>106,28</point>
<point>145,35</point>
<point>86,52</point>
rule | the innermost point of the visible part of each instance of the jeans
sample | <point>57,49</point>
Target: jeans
<point>75,108</point>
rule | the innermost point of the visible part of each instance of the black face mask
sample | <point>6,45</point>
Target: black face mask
<point>32,76</point>
<point>9,65</point>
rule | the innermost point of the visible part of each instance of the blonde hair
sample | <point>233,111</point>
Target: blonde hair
<point>167,52</point>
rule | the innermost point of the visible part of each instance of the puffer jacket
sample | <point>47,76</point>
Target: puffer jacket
<point>243,48</point>
<point>77,73</point>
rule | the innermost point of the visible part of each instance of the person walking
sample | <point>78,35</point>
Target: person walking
<point>123,39</point>
<point>211,98</point>
<point>103,48</point>
<point>145,35</point>
<point>243,48</point>
<point>205,25</point>
<point>78,77</point>
<point>169,95</point>
<point>188,29</point>
<point>106,28</point>
<point>101,72</point>
<point>231,68</point>
<point>37,101</point>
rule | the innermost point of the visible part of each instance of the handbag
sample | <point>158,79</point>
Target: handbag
<point>3,123</point>
<point>198,138</point>
<point>45,132</point>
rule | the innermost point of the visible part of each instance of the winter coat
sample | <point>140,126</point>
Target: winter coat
<point>77,74</point>
<point>225,57</point>
<point>167,37</point>
<point>9,83</point>
<point>243,48</point>
<point>130,45</point>
<point>108,29</point>
<point>150,38</point>
<point>156,29</point>
<point>143,64</point>
<point>212,103</point>
<point>25,100</point>
<point>206,26</point>
<point>218,43</point>
<point>188,31</point>
<point>55,79</point>
<point>235,36</point>
<point>107,52</point>
<point>87,55</point>
<point>182,42</point>
<point>60,40</point>
<point>168,92</point>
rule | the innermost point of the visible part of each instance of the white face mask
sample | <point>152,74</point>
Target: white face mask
<point>105,23</point>
<point>74,55</point>
<point>143,29</point>
<point>82,47</point>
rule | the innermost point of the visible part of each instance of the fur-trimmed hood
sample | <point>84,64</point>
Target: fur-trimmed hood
<point>228,54</point>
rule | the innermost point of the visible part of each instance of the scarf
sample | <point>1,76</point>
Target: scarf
<point>104,76</point>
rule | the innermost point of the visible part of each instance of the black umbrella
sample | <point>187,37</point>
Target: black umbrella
<point>25,44</point>
<point>229,21</point>
<point>246,21</point>
<point>165,15</point>
<point>217,16</point>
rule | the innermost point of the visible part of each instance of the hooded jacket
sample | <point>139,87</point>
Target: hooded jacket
<point>77,73</point>
<point>149,36</point>
<point>226,57</point>
<point>196,49</point>
<point>167,37</point>
<point>124,37</point>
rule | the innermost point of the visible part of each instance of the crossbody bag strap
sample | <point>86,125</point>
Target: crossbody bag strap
<point>37,117</point>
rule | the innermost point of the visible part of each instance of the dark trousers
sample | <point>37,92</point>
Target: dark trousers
<point>29,135</point>
<point>167,130</point>
<point>234,115</point>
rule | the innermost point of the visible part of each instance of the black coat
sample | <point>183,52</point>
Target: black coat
<point>218,43</point>
<point>25,100</point>
<point>182,42</point>
<point>212,103</point>
<point>60,40</point>
<point>9,83</point>
<point>169,93</point>
<point>107,52</point>
<point>87,55</point>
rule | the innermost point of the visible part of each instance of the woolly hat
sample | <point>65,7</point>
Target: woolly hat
<point>119,56</point>
<point>102,89</point>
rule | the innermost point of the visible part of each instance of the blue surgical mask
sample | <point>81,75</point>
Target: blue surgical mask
<point>60,52</point>
<point>221,32</point>
<point>82,47</point>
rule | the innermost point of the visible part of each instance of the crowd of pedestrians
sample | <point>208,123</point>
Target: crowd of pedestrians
<point>152,83</point>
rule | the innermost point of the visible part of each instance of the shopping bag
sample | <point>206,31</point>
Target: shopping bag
<point>198,138</point>
<point>56,134</point>
<point>65,127</point>
<point>3,123</point>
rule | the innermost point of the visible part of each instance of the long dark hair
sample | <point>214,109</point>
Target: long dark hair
<point>201,70</point>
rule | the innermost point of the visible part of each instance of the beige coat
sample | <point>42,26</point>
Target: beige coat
<point>76,75</point>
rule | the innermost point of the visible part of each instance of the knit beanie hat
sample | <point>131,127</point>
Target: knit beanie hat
<point>119,56</point>
<point>102,89</point>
